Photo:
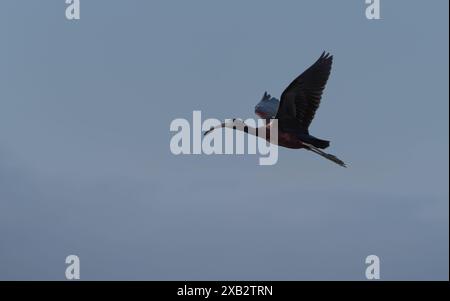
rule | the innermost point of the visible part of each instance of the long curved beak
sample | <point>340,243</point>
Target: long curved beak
<point>222,125</point>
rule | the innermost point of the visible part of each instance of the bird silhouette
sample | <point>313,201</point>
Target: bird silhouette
<point>295,112</point>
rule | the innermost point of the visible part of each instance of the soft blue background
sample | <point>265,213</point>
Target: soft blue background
<point>85,165</point>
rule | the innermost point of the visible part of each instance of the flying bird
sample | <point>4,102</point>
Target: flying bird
<point>295,112</point>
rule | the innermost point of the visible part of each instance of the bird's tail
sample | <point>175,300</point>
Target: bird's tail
<point>325,155</point>
<point>319,143</point>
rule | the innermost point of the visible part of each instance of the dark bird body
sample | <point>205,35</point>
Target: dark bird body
<point>296,110</point>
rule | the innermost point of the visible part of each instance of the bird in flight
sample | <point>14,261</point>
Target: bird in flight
<point>295,112</point>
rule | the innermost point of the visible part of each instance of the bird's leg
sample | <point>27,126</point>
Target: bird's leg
<point>325,155</point>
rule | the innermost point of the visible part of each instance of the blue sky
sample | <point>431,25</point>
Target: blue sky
<point>86,169</point>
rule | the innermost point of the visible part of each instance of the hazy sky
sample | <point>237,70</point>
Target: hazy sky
<point>86,169</point>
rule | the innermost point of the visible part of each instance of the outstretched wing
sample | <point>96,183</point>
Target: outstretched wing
<point>302,97</point>
<point>268,106</point>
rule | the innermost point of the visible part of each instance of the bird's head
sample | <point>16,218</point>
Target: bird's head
<point>267,107</point>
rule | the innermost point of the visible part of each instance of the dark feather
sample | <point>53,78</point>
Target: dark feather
<point>301,98</point>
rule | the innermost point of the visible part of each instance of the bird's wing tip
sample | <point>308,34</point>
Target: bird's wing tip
<point>326,56</point>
